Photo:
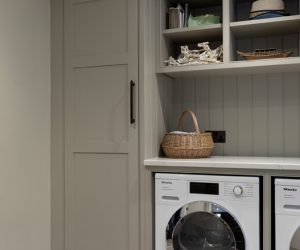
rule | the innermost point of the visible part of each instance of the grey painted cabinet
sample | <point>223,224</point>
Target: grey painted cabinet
<point>101,142</point>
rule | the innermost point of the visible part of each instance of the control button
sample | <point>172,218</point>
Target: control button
<point>238,190</point>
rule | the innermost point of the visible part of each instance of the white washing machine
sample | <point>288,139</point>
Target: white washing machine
<point>195,212</point>
<point>287,214</point>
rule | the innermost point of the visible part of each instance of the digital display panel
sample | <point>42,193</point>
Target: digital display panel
<point>204,188</point>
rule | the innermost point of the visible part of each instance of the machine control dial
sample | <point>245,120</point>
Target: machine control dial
<point>237,190</point>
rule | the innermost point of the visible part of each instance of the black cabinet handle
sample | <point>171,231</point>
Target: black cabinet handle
<point>132,119</point>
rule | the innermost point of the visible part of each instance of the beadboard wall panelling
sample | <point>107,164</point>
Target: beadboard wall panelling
<point>231,115</point>
<point>163,98</point>
<point>260,113</point>
<point>275,114</point>
<point>291,113</point>
<point>158,90</point>
<point>177,105</point>
<point>216,107</point>
<point>244,131</point>
<point>186,100</point>
<point>201,105</point>
<point>292,7</point>
<point>161,101</point>
<point>242,11</point>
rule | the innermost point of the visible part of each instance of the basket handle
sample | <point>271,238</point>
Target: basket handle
<point>180,120</point>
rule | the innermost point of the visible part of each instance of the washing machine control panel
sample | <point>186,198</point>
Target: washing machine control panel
<point>287,196</point>
<point>179,189</point>
<point>245,191</point>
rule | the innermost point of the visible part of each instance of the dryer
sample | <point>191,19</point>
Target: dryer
<point>287,214</point>
<point>206,212</point>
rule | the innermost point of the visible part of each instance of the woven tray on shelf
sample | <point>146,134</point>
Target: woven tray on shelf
<point>263,54</point>
<point>188,145</point>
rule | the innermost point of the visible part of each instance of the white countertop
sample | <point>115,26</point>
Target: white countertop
<point>241,162</point>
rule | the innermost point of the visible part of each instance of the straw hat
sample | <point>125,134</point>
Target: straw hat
<point>261,5</point>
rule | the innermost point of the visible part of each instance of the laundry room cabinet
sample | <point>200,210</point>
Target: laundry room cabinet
<point>235,32</point>
<point>256,102</point>
<point>101,124</point>
<point>251,100</point>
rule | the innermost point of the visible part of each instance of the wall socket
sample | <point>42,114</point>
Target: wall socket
<point>218,136</point>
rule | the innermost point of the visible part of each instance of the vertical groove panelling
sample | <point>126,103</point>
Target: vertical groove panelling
<point>245,133</point>
<point>177,102</point>
<point>260,115</point>
<point>243,45</point>
<point>188,102</point>
<point>216,110</point>
<point>164,107</point>
<point>154,83</point>
<point>159,110</point>
<point>290,43</point>
<point>152,129</point>
<point>292,7</point>
<point>169,105</point>
<point>260,110</point>
<point>291,114</point>
<point>258,43</point>
<point>275,106</point>
<point>155,118</point>
<point>275,42</point>
<point>163,99</point>
<point>201,108</point>
<point>231,115</point>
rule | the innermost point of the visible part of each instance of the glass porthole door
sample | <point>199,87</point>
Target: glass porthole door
<point>204,226</point>
<point>295,243</point>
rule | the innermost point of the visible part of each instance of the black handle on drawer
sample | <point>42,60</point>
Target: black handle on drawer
<point>132,85</point>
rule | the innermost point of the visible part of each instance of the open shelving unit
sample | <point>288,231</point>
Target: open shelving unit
<point>266,27</point>
<point>234,68</point>
<point>256,102</point>
<point>236,94</point>
<point>236,32</point>
<point>211,32</point>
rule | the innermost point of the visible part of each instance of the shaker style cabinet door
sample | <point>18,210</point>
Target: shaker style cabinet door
<point>101,124</point>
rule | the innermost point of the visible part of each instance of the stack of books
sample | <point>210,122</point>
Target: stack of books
<point>178,17</point>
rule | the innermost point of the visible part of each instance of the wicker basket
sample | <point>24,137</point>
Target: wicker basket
<point>189,145</point>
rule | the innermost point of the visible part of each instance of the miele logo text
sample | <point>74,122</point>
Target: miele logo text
<point>290,189</point>
<point>166,182</point>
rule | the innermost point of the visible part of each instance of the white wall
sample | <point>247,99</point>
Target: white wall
<point>24,125</point>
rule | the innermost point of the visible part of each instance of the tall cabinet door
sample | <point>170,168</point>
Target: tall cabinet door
<point>101,136</point>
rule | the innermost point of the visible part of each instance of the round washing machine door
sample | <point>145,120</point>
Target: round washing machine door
<point>204,225</point>
<point>295,243</point>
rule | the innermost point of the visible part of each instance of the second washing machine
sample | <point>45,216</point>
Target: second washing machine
<point>287,214</point>
<point>195,212</point>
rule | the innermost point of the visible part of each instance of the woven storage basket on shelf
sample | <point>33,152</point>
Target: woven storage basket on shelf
<point>189,145</point>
